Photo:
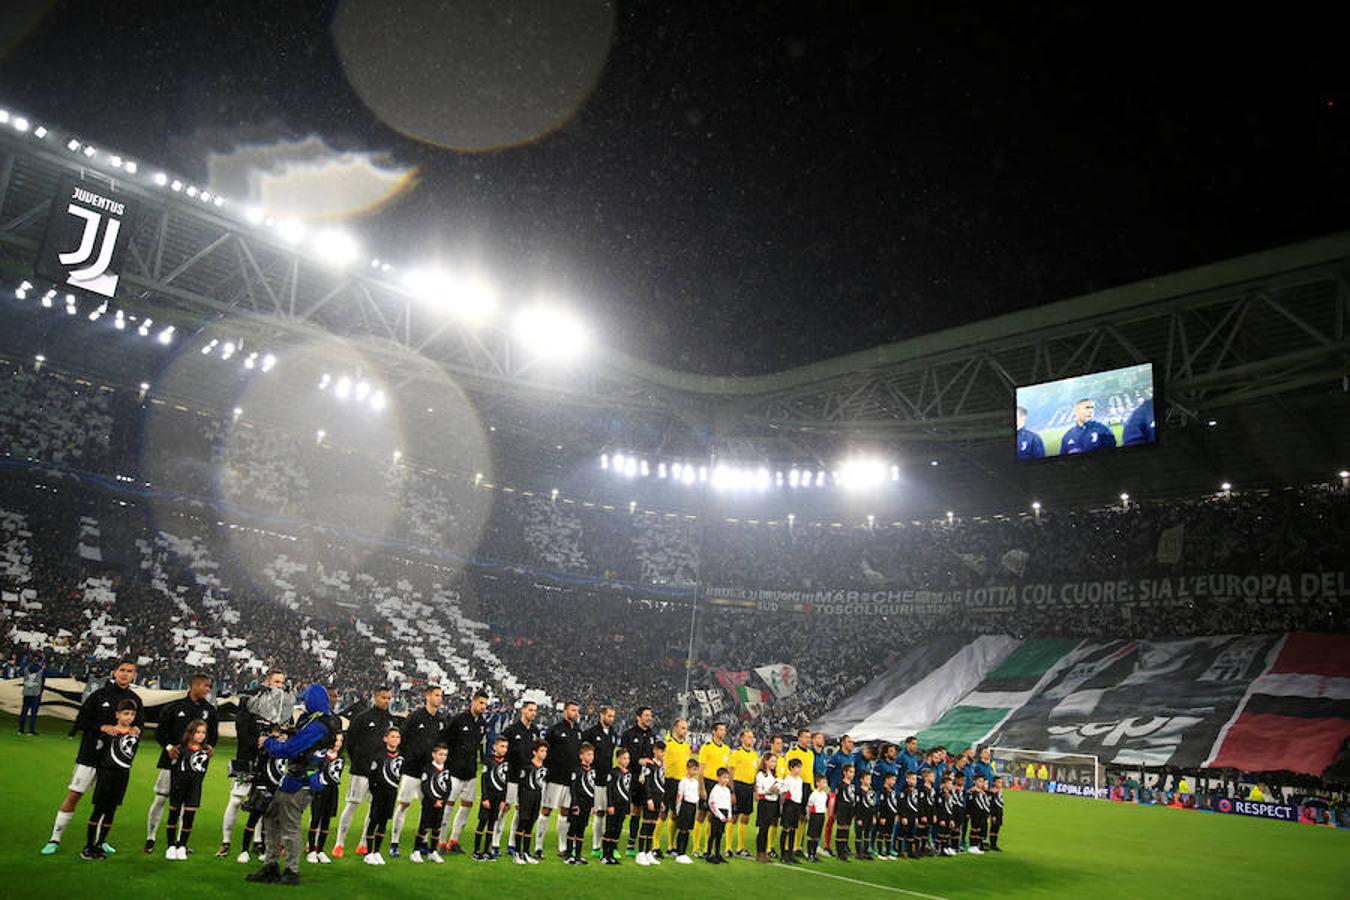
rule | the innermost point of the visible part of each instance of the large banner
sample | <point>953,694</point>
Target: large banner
<point>88,230</point>
<point>1156,592</point>
<point>1154,703</point>
<point>780,677</point>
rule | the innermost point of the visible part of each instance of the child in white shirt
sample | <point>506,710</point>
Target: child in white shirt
<point>792,810</point>
<point>767,787</point>
<point>686,807</point>
<point>719,807</point>
<point>817,807</point>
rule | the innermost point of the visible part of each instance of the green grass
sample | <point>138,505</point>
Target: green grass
<point>1056,847</point>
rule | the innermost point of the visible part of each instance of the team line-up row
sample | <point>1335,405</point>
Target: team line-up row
<point>865,802</point>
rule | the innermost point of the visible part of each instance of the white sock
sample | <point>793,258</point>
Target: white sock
<point>562,832</point>
<point>62,820</point>
<point>461,819</point>
<point>540,826</point>
<point>499,827</point>
<point>365,825</point>
<point>345,822</point>
<point>227,824</point>
<point>155,817</point>
<point>597,829</point>
<point>397,828</point>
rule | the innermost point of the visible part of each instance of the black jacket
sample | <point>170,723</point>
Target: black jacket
<point>519,747</point>
<point>464,734</point>
<point>602,740</point>
<point>365,739</point>
<point>564,745</point>
<point>173,721</point>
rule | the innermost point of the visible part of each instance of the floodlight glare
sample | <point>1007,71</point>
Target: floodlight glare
<point>268,361</point>
<point>361,391</point>
<point>377,401</point>
<point>862,473</point>
<point>253,215</point>
<point>604,460</point>
<point>20,124</point>
<point>645,470</point>
<point>228,350</point>
<point>166,336</point>
<point>551,332</point>
<point>161,179</point>
<point>335,246</point>
<point>343,388</point>
<point>661,470</point>
<point>291,230</point>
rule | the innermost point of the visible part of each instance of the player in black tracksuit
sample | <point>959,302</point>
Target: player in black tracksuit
<point>173,718</point>
<point>365,745</point>
<point>888,815</point>
<point>865,816</point>
<point>604,739</point>
<point>328,766</point>
<point>618,798</point>
<point>384,782</point>
<point>435,791</point>
<point>492,798</point>
<point>928,799</point>
<point>521,736</point>
<point>977,803</point>
<point>911,811</point>
<point>185,785</point>
<point>845,809</point>
<point>995,814</point>
<point>650,797</point>
<point>530,793</point>
<point>582,794</point>
<point>117,752</point>
<point>464,734</point>
<point>638,740</point>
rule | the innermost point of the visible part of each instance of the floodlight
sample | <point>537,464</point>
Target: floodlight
<point>324,380</point>
<point>550,331</point>
<point>161,179</point>
<point>1036,505</point>
<point>661,470</point>
<point>290,230</point>
<point>343,388</point>
<point>1227,486</point>
<point>645,469</point>
<point>604,460</point>
<point>361,391</point>
<point>251,360</point>
<point>20,124</point>
<point>268,361</point>
<point>131,167</point>
<point>254,215</point>
<point>377,401</point>
<point>228,350</point>
<point>336,247</point>
<point>40,131</point>
<point>72,145</point>
<point>862,473</point>
<point>176,186</point>
<point>794,478</point>
<point>166,336</point>
<point>192,190</point>
<point>119,321</point>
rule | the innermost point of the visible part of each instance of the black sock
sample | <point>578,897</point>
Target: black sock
<point>91,836</point>
<point>171,831</point>
<point>185,826</point>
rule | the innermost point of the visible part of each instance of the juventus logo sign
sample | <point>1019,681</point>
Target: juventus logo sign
<point>87,234</point>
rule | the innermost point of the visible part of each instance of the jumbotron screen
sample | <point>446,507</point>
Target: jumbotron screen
<point>1086,414</point>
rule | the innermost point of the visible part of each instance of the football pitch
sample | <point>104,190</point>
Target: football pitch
<point>1055,847</point>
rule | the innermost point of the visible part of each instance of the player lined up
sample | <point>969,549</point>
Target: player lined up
<point>805,802</point>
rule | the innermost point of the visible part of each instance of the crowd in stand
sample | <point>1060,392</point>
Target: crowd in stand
<point>526,593</point>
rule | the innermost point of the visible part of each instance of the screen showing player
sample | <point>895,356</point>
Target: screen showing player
<point>1086,414</point>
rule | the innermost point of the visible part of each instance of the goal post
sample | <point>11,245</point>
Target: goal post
<point>1071,773</point>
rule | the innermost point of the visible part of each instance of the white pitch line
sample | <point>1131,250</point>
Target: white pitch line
<point>871,884</point>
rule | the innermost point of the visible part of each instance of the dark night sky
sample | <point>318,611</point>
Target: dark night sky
<point>756,187</point>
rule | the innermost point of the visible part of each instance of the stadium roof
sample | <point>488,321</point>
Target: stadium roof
<point>1262,334</point>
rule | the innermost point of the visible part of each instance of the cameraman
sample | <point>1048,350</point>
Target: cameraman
<point>258,710</point>
<point>316,730</point>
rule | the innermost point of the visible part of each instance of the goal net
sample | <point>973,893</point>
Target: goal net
<point>1044,770</point>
